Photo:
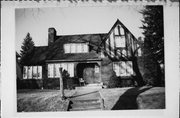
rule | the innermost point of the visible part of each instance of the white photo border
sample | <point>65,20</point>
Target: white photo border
<point>171,34</point>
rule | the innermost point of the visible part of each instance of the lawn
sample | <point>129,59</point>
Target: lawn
<point>134,98</point>
<point>114,99</point>
<point>41,100</point>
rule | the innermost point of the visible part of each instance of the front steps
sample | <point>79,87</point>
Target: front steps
<point>89,86</point>
<point>85,105</point>
<point>86,98</point>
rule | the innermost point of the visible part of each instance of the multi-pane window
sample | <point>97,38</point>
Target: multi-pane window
<point>120,41</point>
<point>32,72</point>
<point>53,69</point>
<point>76,48</point>
<point>123,68</point>
<point>50,70</point>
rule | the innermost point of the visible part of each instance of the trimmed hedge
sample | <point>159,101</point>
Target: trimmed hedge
<point>29,84</point>
<point>50,83</point>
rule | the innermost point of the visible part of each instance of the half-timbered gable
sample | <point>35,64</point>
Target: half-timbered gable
<point>120,42</point>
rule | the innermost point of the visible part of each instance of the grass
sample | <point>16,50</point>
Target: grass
<point>134,98</point>
<point>114,99</point>
<point>152,99</point>
<point>41,100</point>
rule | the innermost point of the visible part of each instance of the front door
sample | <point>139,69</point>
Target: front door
<point>88,71</point>
<point>88,74</point>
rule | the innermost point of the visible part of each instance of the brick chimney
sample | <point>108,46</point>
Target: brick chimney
<point>51,35</point>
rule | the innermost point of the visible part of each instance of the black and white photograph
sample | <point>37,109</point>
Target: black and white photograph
<point>90,58</point>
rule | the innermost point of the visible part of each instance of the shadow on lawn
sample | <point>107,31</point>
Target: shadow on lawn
<point>128,99</point>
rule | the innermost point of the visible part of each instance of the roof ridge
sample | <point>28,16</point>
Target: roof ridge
<point>82,34</point>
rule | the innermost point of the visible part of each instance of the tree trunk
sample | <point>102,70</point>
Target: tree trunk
<point>61,84</point>
<point>138,78</point>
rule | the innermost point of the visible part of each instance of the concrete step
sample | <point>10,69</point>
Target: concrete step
<point>85,109</point>
<point>85,105</point>
<point>89,86</point>
<point>84,101</point>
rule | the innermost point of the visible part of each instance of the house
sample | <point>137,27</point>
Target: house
<point>93,57</point>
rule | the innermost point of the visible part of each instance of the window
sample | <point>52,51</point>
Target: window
<point>70,69</point>
<point>39,71</point>
<point>119,30</point>
<point>124,53</point>
<point>57,66</point>
<point>116,31</point>
<point>67,48</point>
<point>29,74</point>
<point>32,72</point>
<point>85,47</point>
<point>123,68</point>
<point>73,48</point>
<point>25,72</point>
<point>35,74</point>
<point>76,48</point>
<point>50,70</point>
<point>120,41</point>
<point>53,69</point>
<point>79,48</point>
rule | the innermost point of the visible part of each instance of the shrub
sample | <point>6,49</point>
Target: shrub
<point>114,81</point>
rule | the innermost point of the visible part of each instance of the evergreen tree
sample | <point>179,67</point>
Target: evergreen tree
<point>153,44</point>
<point>27,48</point>
<point>153,32</point>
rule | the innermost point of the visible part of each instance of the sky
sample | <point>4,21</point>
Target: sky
<point>73,20</point>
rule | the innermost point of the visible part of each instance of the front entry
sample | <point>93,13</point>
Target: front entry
<point>90,72</point>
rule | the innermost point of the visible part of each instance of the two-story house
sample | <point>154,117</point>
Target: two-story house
<point>88,56</point>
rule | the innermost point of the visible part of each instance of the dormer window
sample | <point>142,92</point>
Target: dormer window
<point>76,48</point>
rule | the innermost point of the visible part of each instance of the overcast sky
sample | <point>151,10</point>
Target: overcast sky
<point>74,20</point>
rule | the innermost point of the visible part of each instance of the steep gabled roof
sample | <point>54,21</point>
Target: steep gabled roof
<point>56,52</point>
<point>115,24</point>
